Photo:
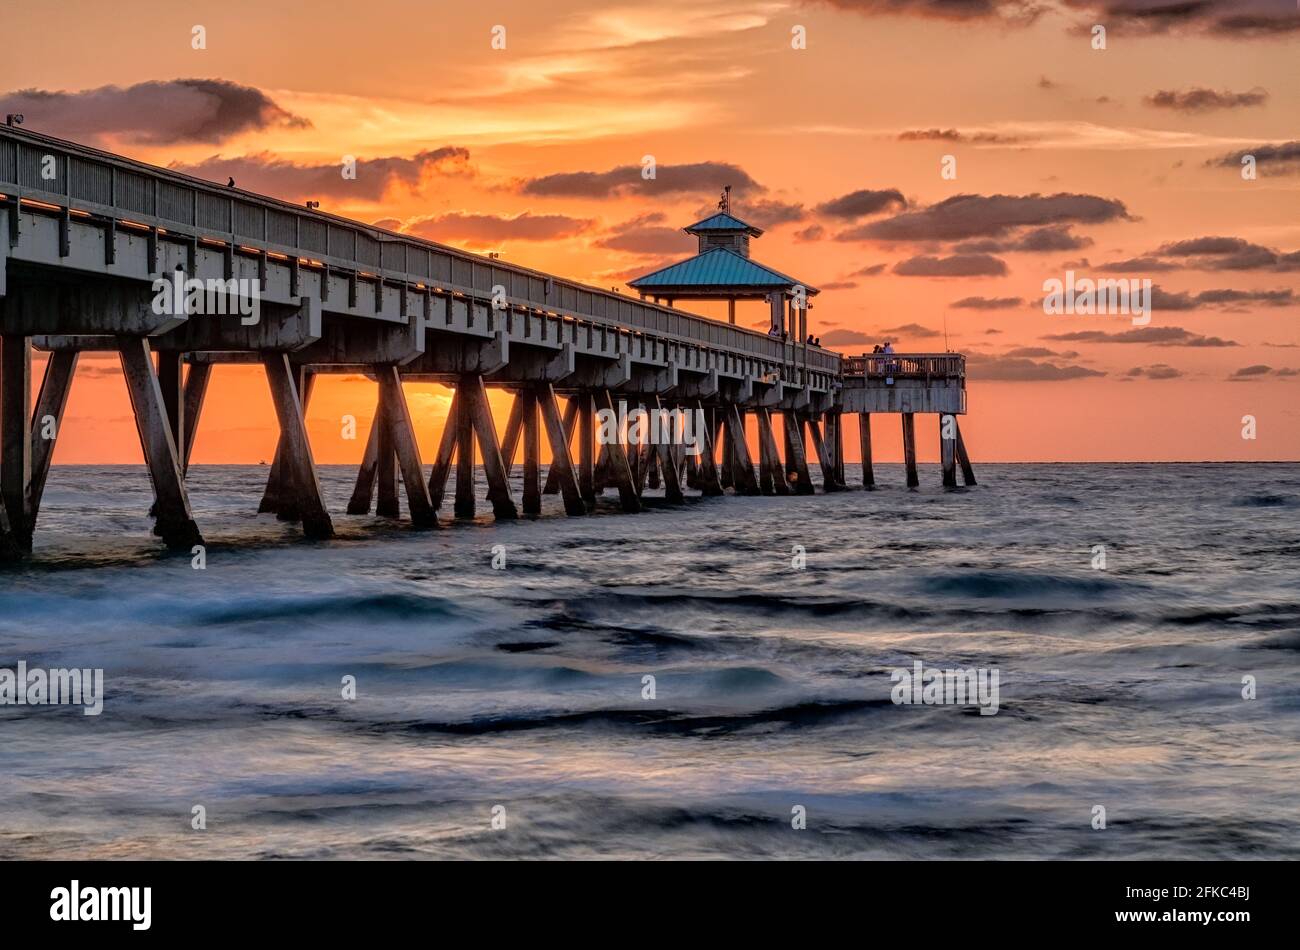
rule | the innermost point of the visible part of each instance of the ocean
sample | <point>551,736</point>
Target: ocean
<point>506,712</point>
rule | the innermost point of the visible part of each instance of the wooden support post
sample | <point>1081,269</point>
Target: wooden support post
<point>279,496</point>
<point>464,504</point>
<point>480,412</point>
<point>909,449</point>
<point>359,503</point>
<point>727,472</point>
<point>766,484</point>
<point>967,472</point>
<point>196,391</point>
<point>386,500</point>
<point>47,423</point>
<point>561,462</point>
<point>824,459</point>
<point>532,454</point>
<point>16,425</point>
<point>601,476</point>
<point>619,469</point>
<point>175,524</point>
<point>297,461</point>
<point>796,457</point>
<point>864,430</point>
<point>510,442</point>
<point>767,444</point>
<point>668,464</point>
<point>446,451</point>
<point>397,416</point>
<point>586,447</point>
<point>743,479</point>
<point>171,382</point>
<point>706,462</point>
<point>837,448</point>
<point>948,449</point>
<point>552,486</point>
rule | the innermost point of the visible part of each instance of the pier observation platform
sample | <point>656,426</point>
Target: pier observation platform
<point>86,235</point>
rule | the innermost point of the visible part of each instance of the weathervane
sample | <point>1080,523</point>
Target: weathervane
<point>724,203</point>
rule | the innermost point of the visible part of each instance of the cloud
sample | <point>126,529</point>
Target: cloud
<point>764,213</point>
<point>1056,237</point>
<point>1283,157</point>
<point>871,270</point>
<point>1208,253</point>
<point>814,232</point>
<point>859,204</point>
<point>838,285</point>
<point>1156,336</point>
<point>911,329</point>
<point>1135,265</point>
<point>272,175</point>
<point>1018,369</point>
<point>647,234</point>
<point>1259,371</point>
<point>490,228</point>
<point>1037,352</point>
<point>987,303</point>
<point>953,135</point>
<point>972,216</point>
<point>696,178</point>
<point>1200,99</point>
<point>958,265</point>
<point>844,338</point>
<point>1154,371</point>
<point>1017,12</point>
<point>160,112</point>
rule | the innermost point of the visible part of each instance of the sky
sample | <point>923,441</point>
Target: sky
<point>927,164</point>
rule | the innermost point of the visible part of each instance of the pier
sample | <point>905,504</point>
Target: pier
<point>86,236</point>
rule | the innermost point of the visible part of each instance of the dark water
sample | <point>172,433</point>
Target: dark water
<point>522,687</point>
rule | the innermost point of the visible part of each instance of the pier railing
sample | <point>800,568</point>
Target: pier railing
<point>68,178</point>
<point>925,366</point>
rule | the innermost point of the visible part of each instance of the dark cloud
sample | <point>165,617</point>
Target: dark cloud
<point>1057,237</point>
<point>1200,99</point>
<point>1038,352</point>
<point>987,303</point>
<point>269,174</point>
<point>1019,369</point>
<point>912,330</point>
<point>1156,336</point>
<point>838,285</point>
<point>953,135</point>
<point>1208,253</point>
<point>647,234</point>
<point>963,217</point>
<point>958,265</point>
<point>1135,265</point>
<point>1284,158</point>
<point>871,270</point>
<point>488,228</point>
<point>1154,371</point>
<point>164,112</point>
<point>814,232</point>
<point>1021,12</point>
<point>859,204</point>
<point>1231,19</point>
<point>699,178</point>
<point>844,337</point>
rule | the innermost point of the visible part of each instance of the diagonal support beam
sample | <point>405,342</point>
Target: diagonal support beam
<point>967,472</point>
<point>196,391</point>
<point>823,456</point>
<point>744,481</point>
<point>47,423</point>
<point>570,424</point>
<point>796,458</point>
<point>297,460</point>
<point>364,491</point>
<point>561,462</point>
<point>446,451</point>
<point>775,472</point>
<point>619,469</point>
<point>175,524</point>
<point>401,434</point>
<point>503,506</point>
<point>706,463</point>
<point>668,463</point>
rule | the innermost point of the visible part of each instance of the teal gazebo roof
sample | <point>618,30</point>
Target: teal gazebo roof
<point>718,270</point>
<point>722,221</point>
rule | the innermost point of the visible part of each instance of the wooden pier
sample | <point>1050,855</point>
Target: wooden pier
<point>82,248</point>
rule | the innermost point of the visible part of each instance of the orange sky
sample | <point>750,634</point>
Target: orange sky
<point>587,89</point>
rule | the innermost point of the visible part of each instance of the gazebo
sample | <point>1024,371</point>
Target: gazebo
<point>723,270</point>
